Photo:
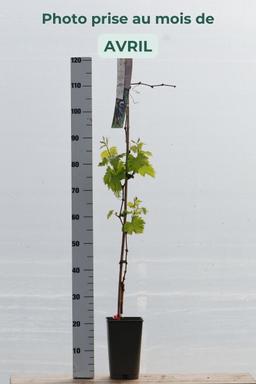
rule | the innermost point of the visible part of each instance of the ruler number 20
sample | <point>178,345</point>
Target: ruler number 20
<point>76,323</point>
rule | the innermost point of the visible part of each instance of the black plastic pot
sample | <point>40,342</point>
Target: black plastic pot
<point>124,344</point>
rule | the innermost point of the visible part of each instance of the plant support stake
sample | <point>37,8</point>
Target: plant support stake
<point>124,246</point>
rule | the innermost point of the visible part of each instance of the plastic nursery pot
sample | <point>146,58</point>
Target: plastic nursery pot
<point>124,345</point>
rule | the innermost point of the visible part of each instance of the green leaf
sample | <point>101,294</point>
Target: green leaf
<point>128,227</point>
<point>147,170</point>
<point>127,212</point>
<point>135,163</point>
<point>113,181</point>
<point>110,213</point>
<point>139,146</point>
<point>117,164</point>
<point>144,210</point>
<point>137,201</point>
<point>103,162</point>
<point>112,151</point>
<point>136,225</point>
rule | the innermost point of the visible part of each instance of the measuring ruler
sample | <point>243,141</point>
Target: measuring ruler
<point>82,217</point>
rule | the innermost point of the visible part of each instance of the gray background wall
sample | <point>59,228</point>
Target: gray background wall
<point>192,274</point>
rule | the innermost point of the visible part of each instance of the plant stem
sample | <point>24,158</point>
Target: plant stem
<point>124,244</point>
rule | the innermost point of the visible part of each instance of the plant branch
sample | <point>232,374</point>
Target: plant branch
<point>125,260</point>
<point>154,85</point>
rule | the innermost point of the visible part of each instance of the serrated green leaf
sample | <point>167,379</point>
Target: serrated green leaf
<point>113,181</point>
<point>137,147</point>
<point>136,225</point>
<point>135,163</point>
<point>112,151</point>
<point>128,227</point>
<point>133,148</point>
<point>140,145</point>
<point>117,164</point>
<point>147,170</point>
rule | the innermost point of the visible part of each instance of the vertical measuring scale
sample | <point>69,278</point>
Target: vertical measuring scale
<point>82,217</point>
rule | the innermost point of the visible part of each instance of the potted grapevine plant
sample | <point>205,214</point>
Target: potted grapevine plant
<point>122,168</point>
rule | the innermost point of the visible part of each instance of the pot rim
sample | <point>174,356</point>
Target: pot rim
<point>125,318</point>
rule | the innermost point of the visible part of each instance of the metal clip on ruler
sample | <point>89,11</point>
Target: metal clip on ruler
<point>82,217</point>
